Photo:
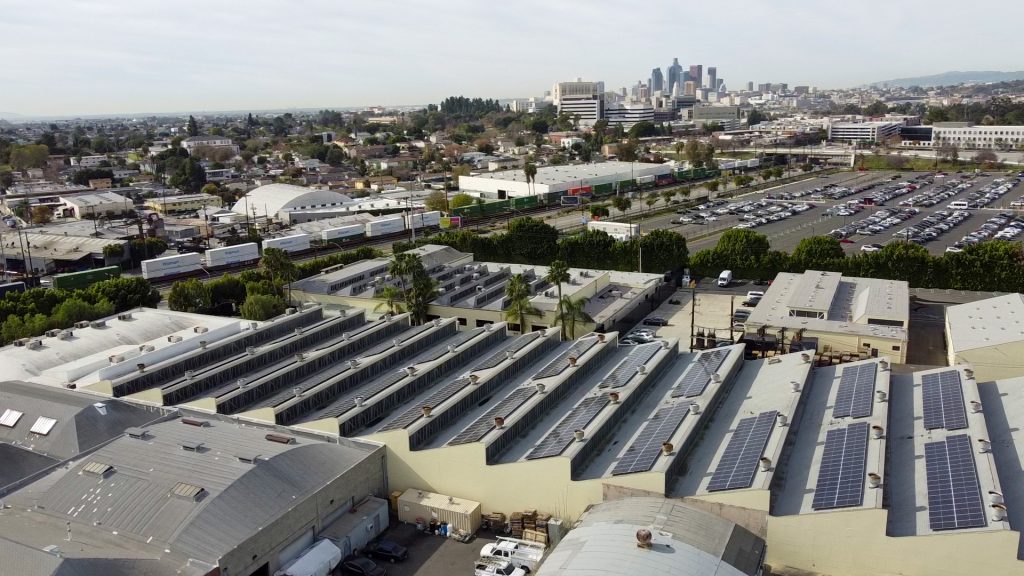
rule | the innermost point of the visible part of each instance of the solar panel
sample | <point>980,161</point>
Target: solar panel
<point>843,468</point>
<point>402,338</point>
<point>343,404</point>
<point>954,495</point>
<point>943,401</point>
<point>624,372</point>
<point>556,366</point>
<point>738,464</point>
<point>485,423</point>
<point>856,391</point>
<point>411,415</point>
<point>500,356</point>
<point>441,349</point>
<point>698,376</point>
<point>561,437</point>
<point>643,452</point>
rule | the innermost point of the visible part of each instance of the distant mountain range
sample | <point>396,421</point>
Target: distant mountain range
<point>954,78</point>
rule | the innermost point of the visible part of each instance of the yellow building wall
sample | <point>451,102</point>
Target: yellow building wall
<point>854,343</point>
<point>993,362</point>
<point>853,543</point>
<point>462,471</point>
<point>750,499</point>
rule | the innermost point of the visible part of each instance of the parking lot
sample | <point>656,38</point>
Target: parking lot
<point>433,555</point>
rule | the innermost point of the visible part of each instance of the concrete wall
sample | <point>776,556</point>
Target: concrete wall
<point>364,479</point>
<point>752,519</point>
<point>853,543</point>
<point>993,362</point>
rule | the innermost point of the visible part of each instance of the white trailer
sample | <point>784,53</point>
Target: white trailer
<point>422,220</point>
<point>343,232</point>
<point>320,559</point>
<point>645,179</point>
<point>617,230</point>
<point>295,243</point>
<point>232,255</point>
<point>385,226</point>
<point>170,266</point>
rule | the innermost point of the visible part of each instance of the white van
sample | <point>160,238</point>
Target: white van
<point>725,278</point>
<point>958,205</point>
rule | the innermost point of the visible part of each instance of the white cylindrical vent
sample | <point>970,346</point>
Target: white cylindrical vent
<point>189,374</point>
<point>353,363</point>
<point>766,464</point>
<point>641,369</point>
<point>984,446</point>
<point>427,410</point>
<point>975,406</point>
<point>436,322</point>
<point>395,342</point>
<point>716,378</point>
<point>250,350</point>
<point>141,367</point>
<point>805,357</point>
<point>794,386</point>
<point>499,422</point>
<point>665,344</point>
<point>296,391</point>
<point>600,337</point>
<point>473,379</point>
<point>202,344</point>
<point>451,349</point>
<point>883,365</point>
<point>877,432</point>
<point>968,373</point>
<point>666,448</point>
<point>540,387</point>
<point>874,480</point>
<point>410,370</point>
<point>344,336</point>
<point>510,354</point>
<point>613,397</point>
<point>580,435</point>
<point>358,400</point>
<point>995,497</point>
<point>783,420</point>
<point>694,408</point>
<point>242,382</point>
<point>253,325</point>
<point>572,360</point>
<point>998,512</point>
<point>881,396</point>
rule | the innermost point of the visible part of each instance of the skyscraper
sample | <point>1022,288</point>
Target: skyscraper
<point>697,74</point>
<point>713,78</point>
<point>657,80</point>
<point>675,75</point>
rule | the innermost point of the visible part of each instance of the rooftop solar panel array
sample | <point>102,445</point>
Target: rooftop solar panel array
<point>500,356</point>
<point>485,423</point>
<point>413,414</point>
<point>856,391</point>
<point>843,468</point>
<point>643,452</point>
<point>954,495</point>
<point>347,402</point>
<point>624,372</point>
<point>698,376</point>
<point>389,344</point>
<point>556,366</point>
<point>943,401</point>
<point>738,464</point>
<point>562,436</point>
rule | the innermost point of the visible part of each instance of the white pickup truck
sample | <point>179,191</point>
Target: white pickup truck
<point>497,567</point>
<point>521,553</point>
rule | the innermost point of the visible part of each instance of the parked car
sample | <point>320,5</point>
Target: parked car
<point>752,301</point>
<point>655,321</point>
<point>871,248</point>
<point>359,566</point>
<point>387,550</point>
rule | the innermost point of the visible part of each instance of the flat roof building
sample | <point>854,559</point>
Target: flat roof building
<point>988,335</point>
<point>512,183</point>
<point>863,131</point>
<point>835,314</point>
<point>183,203</point>
<point>95,205</point>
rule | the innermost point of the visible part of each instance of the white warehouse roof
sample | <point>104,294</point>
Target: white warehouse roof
<point>273,198</point>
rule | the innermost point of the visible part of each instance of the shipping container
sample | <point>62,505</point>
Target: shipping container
<point>84,279</point>
<point>295,243</point>
<point>415,506</point>
<point>342,233</point>
<point>423,220</point>
<point>11,287</point>
<point>645,179</point>
<point>170,266</point>
<point>570,200</point>
<point>385,226</point>
<point>230,255</point>
<point>617,230</point>
<point>582,190</point>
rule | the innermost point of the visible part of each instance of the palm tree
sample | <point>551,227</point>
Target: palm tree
<point>558,272</point>
<point>401,267</point>
<point>573,312</point>
<point>390,296</point>
<point>530,170</point>
<point>518,293</point>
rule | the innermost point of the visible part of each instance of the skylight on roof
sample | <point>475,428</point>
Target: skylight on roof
<point>187,491</point>
<point>43,425</point>
<point>10,418</point>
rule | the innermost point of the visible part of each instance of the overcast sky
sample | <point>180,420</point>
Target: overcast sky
<point>118,56</point>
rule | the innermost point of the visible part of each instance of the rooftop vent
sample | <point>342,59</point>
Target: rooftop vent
<point>146,348</point>
<point>613,397</point>
<point>10,418</point>
<point>195,422</point>
<point>97,324</point>
<point>643,539</point>
<point>874,480</point>
<point>65,335</point>
<point>695,408</point>
<point>783,420</point>
<point>968,373</point>
<point>82,324</point>
<point>174,338</point>
<point>984,445</point>
<point>877,432</point>
<point>580,435</point>
<point>124,316</point>
<point>52,333</point>
<point>766,464</point>
<point>200,329</point>
<point>116,358</point>
<point>975,406</point>
<point>248,458</point>
<point>98,469</point>
<point>427,410</point>
<point>881,396</point>
<point>136,433</point>
<point>186,491</point>
<point>541,388</point>
<point>191,445</point>
<point>998,512</point>
<point>43,425</point>
<point>774,360</point>
<point>883,365</point>
<point>202,344</point>
<point>280,438</point>
<point>34,344</point>
<point>20,342</point>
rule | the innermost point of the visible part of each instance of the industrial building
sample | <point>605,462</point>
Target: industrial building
<point>473,293</point>
<point>833,315</point>
<point>863,131</point>
<point>94,205</point>
<point>43,252</point>
<point>988,335</point>
<point>183,203</point>
<point>512,183</point>
<point>295,204</point>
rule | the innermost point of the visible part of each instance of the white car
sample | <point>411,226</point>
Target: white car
<point>870,248</point>
<point>711,218</point>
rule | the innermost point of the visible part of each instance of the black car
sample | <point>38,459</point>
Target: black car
<point>655,321</point>
<point>752,301</point>
<point>357,566</point>
<point>387,550</point>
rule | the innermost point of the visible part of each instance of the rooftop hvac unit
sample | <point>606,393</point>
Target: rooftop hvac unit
<point>280,438</point>
<point>34,344</point>
<point>97,323</point>
<point>197,422</point>
<point>65,335</point>
<point>289,311</point>
<point>82,324</point>
<point>476,276</point>
<point>52,333</point>
<point>124,316</point>
<point>116,358</point>
<point>174,338</point>
<point>21,342</point>
<point>200,329</point>
<point>549,293</point>
<point>146,348</point>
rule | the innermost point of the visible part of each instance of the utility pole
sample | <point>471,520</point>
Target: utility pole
<point>693,314</point>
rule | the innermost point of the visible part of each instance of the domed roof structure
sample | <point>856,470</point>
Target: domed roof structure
<point>271,199</point>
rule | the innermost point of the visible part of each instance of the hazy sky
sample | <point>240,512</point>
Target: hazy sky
<point>117,56</point>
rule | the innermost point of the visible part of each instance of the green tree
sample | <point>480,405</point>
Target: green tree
<point>573,311</point>
<point>125,293</point>
<point>436,201</point>
<point>189,176</point>
<point>518,293</point>
<point>193,126</point>
<point>460,200</point>
<point>643,130</point>
<point>531,240</point>
<point>667,195</point>
<point>189,296</point>
<point>530,172</point>
<point>424,290</point>
<point>41,214</point>
<point>261,307</point>
<point>598,211</point>
<point>390,300</point>
<point>663,250</point>
<point>622,203</point>
<point>279,266</point>
<point>694,152</point>
<point>818,253</point>
<point>711,186</point>
<point>23,157</point>
<point>558,274</point>
<point>227,292</point>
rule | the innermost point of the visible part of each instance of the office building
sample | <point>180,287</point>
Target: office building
<point>750,86</point>
<point>713,78</point>
<point>629,113</point>
<point>965,135</point>
<point>582,100</point>
<point>675,76</point>
<point>863,131</point>
<point>657,80</point>
<point>697,74</point>
<point>832,314</point>
<point>690,88</point>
